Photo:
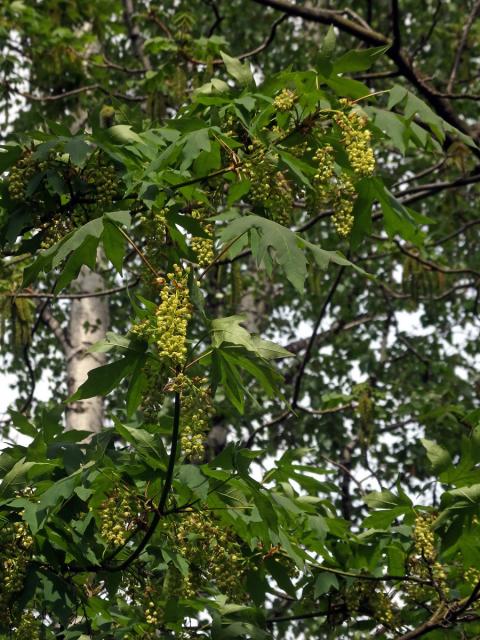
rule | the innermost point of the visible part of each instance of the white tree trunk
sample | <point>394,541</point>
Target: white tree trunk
<point>89,320</point>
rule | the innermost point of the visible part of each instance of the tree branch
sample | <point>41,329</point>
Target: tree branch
<point>426,37</point>
<point>71,296</point>
<point>397,38</point>
<point>372,37</point>
<point>69,94</point>
<point>134,33</point>
<point>56,328</point>
<point>218,17</point>
<point>462,44</point>
<point>311,342</point>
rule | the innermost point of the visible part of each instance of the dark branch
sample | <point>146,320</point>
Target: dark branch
<point>134,33</point>
<point>72,296</point>
<point>313,337</point>
<point>372,37</point>
<point>74,92</point>
<point>462,44</point>
<point>397,38</point>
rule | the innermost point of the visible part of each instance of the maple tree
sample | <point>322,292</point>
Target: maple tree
<point>218,238</point>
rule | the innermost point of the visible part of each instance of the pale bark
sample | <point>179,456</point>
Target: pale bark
<point>88,323</point>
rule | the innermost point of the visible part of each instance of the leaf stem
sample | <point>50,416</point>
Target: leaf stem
<point>138,251</point>
<point>200,357</point>
<point>222,253</point>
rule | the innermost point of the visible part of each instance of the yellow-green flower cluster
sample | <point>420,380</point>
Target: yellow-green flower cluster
<point>196,411</point>
<point>472,576</point>
<point>357,139</point>
<point>423,563</point>
<point>285,100</point>
<point>213,554</point>
<point>116,517</point>
<point>172,316</point>
<point>155,223</point>
<point>364,598</point>
<point>281,201</point>
<point>269,187</point>
<point>203,247</point>
<point>20,175</point>
<point>343,206</point>
<point>153,613</point>
<point>103,179</point>
<point>334,189</point>
<point>258,168</point>
<point>15,545</point>
<point>424,539</point>
<point>28,627</point>
<point>325,171</point>
<point>382,607</point>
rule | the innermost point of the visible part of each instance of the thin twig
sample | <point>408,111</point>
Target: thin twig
<point>311,342</point>
<point>138,251</point>
<point>73,92</point>
<point>71,296</point>
<point>368,35</point>
<point>462,44</point>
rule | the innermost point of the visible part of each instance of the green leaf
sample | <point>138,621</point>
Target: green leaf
<point>92,229</point>
<point>191,476</point>
<point>16,477</point>
<point>102,380</point>
<point>362,212</point>
<point>22,424</point>
<point>194,143</point>
<point>123,134</point>
<point>397,217</point>
<point>393,125</point>
<point>230,330</point>
<point>111,341</point>
<point>347,87</point>
<point>237,191</point>
<point>188,223</point>
<point>260,369</point>
<point>468,495</point>
<point>383,519</point>
<point>214,86</point>
<point>358,59</point>
<point>8,156</point>
<point>324,582</point>
<point>298,167</point>
<point>269,235</point>
<point>396,560</point>
<point>241,72</point>
<point>86,254</point>
<point>396,95</point>
<point>120,217</point>
<point>228,376</point>
<point>114,245</point>
<point>329,42</point>
<point>386,500</point>
<point>78,150</point>
<point>137,387</point>
<point>323,258</point>
<point>149,446</point>
<point>438,456</point>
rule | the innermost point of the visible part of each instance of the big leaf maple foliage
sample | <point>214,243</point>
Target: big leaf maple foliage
<point>280,201</point>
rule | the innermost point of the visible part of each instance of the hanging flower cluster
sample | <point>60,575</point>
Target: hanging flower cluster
<point>172,316</point>
<point>203,247</point>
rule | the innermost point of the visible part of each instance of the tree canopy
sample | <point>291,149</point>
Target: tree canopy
<point>240,248</point>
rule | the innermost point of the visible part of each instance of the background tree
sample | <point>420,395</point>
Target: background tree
<point>186,187</point>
